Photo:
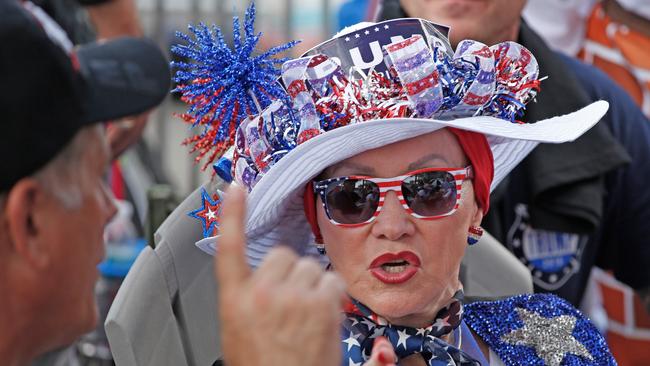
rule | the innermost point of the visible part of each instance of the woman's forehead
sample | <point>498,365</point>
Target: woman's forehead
<point>435,149</point>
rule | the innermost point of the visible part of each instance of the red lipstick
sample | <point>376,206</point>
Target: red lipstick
<point>395,268</point>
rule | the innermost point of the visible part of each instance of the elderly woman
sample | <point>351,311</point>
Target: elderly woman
<point>377,155</point>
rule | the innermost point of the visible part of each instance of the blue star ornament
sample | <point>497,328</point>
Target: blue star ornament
<point>208,214</point>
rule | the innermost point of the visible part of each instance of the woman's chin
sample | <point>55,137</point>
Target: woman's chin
<point>395,303</point>
<point>412,298</point>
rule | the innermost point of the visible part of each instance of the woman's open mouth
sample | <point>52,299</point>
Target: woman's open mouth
<point>395,268</point>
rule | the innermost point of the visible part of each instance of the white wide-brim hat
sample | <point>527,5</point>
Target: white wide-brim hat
<point>275,212</point>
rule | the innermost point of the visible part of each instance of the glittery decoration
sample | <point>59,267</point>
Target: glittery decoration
<point>223,168</point>
<point>294,75</point>
<point>539,329</point>
<point>418,74</point>
<point>208,214</point>
<point>469,79</point>
<point>237,100</point>
<point>222,85</point>
<point>550,337</point>
<point>516,73</point>
<point>474,234</point>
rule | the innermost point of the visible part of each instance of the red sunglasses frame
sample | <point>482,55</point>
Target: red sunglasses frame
<point>394,184</point>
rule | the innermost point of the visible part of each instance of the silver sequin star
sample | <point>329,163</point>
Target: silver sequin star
<point>551,338</point>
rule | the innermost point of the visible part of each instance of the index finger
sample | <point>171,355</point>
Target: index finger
<point>230,264</point>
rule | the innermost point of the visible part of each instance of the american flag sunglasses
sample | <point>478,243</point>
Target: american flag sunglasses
<point>429,193</point>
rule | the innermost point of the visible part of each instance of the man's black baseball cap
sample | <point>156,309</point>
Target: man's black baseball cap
<point>49,89</point>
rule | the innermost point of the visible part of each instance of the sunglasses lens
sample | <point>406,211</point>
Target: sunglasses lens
<point>352,201</point>
<point>430,193</point>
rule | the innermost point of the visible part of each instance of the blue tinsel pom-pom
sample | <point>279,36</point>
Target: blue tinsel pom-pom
<point>223,85</point>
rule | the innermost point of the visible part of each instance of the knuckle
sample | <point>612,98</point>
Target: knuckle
<point>333,284</point>
<point>282,253</point>
<point>323,299</point>
<point>307,266</point>
<point>290,302</point>
<point>261,295</point>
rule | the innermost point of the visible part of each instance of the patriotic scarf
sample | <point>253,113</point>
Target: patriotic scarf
<point>361,326</point>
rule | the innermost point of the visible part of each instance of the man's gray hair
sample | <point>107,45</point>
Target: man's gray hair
<point>61,175</point>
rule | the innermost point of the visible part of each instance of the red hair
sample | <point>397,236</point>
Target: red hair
<point>478,152</point>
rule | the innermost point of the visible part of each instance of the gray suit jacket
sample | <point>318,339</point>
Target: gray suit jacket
<point>165,311</point>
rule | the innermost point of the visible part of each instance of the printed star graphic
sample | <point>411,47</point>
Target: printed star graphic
<point>379,331</point>
<point>403,336</point>
<point>441,323</point>
<point>208,213</point>
<point>421,331</point>
<point>351,341</point>
<point>551,338</point>
<point>352,363</point>
<point>367,323</point>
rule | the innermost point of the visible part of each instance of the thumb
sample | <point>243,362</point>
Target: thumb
<point>230,264</point>
<point>382,354</point>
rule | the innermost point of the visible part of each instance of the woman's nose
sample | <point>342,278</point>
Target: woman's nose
<point>393,222</point>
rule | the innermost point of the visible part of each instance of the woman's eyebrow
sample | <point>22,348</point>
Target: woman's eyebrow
<point>354,168</point>
<point>422,162</point>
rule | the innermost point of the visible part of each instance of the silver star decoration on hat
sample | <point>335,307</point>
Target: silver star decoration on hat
<point>551,338</point>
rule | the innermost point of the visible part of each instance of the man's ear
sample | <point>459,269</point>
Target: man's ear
<point>25,200</point>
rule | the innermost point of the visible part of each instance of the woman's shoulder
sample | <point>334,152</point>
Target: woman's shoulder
<point>528,329</point>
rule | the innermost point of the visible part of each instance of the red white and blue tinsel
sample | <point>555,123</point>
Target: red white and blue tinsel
<point>417,78</point>
<point>244,103</point>
<point>223,85</point>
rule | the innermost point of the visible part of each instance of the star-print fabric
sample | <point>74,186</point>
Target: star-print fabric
<point>361,326</point>
<point>208,214</point>
<point>539,329</point>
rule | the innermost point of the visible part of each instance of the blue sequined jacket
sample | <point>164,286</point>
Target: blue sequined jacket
<point>539,329</point>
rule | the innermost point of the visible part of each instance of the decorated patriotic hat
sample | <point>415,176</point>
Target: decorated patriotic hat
<point>370,86</point>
